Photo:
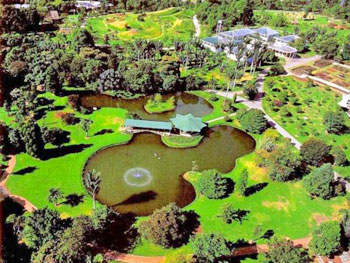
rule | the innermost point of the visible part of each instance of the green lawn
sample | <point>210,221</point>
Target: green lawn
<point>166,25</point>
<point>306,119</point>
<point>65,172</point>
<point>284,208</point>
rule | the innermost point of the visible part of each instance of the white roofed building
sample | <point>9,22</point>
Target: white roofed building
<point>267,34</point>
<point>345,102</point>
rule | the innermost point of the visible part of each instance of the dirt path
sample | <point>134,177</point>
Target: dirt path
<point>129,258</point>
<point>242,251</point>
<point>6,193</point>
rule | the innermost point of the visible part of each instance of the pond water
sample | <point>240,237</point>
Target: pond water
<point>144,174</point>
<point>185,103</point>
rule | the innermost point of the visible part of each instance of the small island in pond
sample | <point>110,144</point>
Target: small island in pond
<point>158,105</point>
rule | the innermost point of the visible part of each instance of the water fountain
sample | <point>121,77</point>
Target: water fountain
<point>138,177</point>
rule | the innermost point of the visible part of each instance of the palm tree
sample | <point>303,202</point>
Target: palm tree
<point>85,125</point>
<point>230,72</point>
<point>92,182</point>
<point>54,195</point>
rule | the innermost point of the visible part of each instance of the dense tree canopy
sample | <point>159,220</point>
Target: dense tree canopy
<point>168,226</point>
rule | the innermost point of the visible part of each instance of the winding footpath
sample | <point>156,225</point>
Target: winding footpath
<point>4,192</point>
<point>196,26</point>
<point>257,104</point>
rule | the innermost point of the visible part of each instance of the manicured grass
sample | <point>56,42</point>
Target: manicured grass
<point>166,25</point>
<point>33,178</point>
<point>306,118</point>
<point>181,141</point>
<point>283,208</point>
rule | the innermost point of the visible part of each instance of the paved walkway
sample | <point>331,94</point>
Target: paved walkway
<point>295,62</point>
<point>197,26</point>
<point>4,192</point>
<point>257,104</point>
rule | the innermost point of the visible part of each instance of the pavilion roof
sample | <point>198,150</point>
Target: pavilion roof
<point>188,123</point>
<point>159,125</point>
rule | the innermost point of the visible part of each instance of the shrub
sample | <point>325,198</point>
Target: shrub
<point>276,70</point>
<point>339,157</point>
<point>254,121</point>
<point>213,97</point>
<point>250,89</point>
<point>212,185</point>
<point>334,121</point>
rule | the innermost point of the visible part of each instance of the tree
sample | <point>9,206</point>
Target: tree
<point>346,51</point>
<point>52,81</point>
<point>41,226</point>
<point>85,125</point>
<point>334,121</point>
<point>320,182</point>
<point>315,152</point>
<point>326,238</point>
<point>300,44</point>
<point>229,214</point>
<point>110,80</point>
<point>254,121</point>
<point>250,89</point>
<point>31,136</point>
<point>83,38</point>
<point>327,46</point>
<point>242,182</point>
<point>284,163</point>
<point>54,136</point>
<point>284,251</point>
<point>55,194</point>
<point>210,247</point>
<point>168,226</point>
<point>92,182</point>
<point>248,13</point>
<point>212,185</point>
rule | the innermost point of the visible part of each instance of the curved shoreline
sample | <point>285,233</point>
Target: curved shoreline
<point>234,162</point>
<point>5,192</point>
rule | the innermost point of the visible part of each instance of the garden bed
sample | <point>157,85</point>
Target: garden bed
<point>303,70</point>
<point>322,63</point>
